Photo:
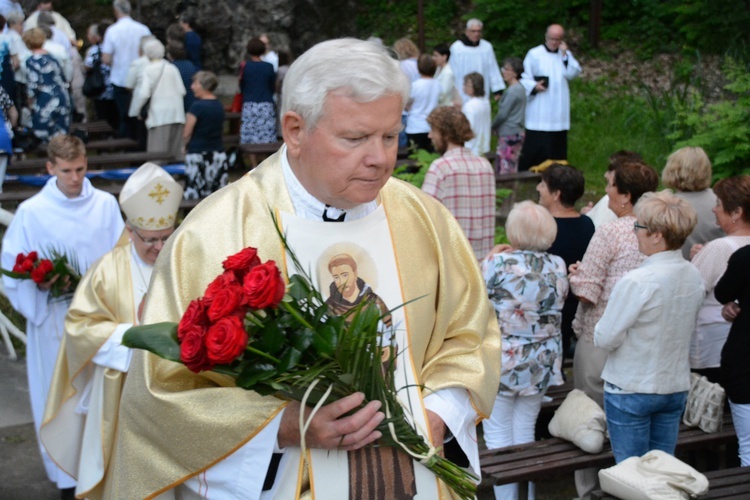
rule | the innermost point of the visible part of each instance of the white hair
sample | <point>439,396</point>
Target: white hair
<point>530,227</point>
<point>153,49</point>
<point>123,6</point>
<point>14,18</point>
<point>362,71</point>
<point>471,23</point>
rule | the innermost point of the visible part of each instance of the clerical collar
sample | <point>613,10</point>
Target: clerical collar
<point>468,42</point>
<point>309,207</point>
<point>550,50</point>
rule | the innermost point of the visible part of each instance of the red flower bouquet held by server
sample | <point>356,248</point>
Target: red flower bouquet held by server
<point>30,266</point>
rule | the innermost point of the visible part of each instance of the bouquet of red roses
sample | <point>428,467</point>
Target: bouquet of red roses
<point>30,266</point>
<point>280,339</point>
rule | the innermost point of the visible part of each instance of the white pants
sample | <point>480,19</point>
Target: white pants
<point>512,421</point>
<point>741,420</point>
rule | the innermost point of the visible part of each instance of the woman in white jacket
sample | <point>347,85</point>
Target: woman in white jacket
<point>162,84</point>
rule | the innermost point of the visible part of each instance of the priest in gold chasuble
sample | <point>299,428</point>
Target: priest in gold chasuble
<point>80,420</point>
<point>186,435</point>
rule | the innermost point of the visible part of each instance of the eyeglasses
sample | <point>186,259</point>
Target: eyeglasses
<point>637,226</point>
<point>554,39</point>
<point>149,242</point>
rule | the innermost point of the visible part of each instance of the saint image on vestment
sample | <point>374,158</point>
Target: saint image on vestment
<point>368,466</point>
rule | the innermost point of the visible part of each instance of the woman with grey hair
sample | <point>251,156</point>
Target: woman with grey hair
<point>161,91</point>
<point>688,174</point>
<point>646,330</point>
<point>527,287</point>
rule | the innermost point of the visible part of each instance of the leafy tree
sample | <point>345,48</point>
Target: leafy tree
<point>723,128</point>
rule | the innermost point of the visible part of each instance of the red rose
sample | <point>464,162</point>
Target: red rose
<point>47,265</point>
<point>226,301</point>
<point>38,274</point>
<point>242,261</point>
<point>264,286</point>
<point>194,320</point>
<point>222,281</point>
<point>226,339</point>
<point>32,256</point>
<point>27,265</point>
<point>20,258</point>
<point>193,351</point>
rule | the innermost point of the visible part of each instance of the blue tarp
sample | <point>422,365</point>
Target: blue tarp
<point>113,175</point>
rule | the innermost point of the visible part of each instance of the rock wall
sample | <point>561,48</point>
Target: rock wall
<point>227,25</point>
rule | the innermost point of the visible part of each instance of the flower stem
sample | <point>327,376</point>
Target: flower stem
<point>262,354</point>
<point>296,315</point>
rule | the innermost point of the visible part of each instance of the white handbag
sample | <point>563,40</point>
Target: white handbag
<point>705,405</point>
<point>581,421</point>
<point>654,476</point>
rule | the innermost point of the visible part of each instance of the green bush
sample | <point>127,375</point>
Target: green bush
<point>722,128</point>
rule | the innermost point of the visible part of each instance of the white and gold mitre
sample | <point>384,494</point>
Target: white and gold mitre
<point>150,198</point>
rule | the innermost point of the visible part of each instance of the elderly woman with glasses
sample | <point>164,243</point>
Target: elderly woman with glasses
<point>646,331</point>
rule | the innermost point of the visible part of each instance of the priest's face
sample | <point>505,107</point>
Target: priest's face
<point>70,175</point>
<point>349,155</point>
<point>148,244</point>
<point>474,34</point>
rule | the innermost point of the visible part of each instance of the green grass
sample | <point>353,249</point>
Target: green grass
<point>605,120</point>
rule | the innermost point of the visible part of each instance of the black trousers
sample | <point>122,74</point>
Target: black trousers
<point>541,146</point>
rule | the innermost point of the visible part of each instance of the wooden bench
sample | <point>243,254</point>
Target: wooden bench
<point>20,195</point>
<point>260,149</point>
<point>94,128</point>
<point>113,144</point>
<point>724,483</point>
<point>33,166</point>
<point>540,459</point>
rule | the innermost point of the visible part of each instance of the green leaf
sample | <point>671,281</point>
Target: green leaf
<point>325,340</point>
<point>289,359</point>
<point>271,339</point>
<point>159,338</point>
<point>252,373</point>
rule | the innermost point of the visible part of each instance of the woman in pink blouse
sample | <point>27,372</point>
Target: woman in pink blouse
<point>612,252</point>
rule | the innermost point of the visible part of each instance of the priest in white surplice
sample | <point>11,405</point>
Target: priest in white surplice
<point>70,216</point>
<point>81,416</point>
<point>469,54</point>
<point>546,71</point>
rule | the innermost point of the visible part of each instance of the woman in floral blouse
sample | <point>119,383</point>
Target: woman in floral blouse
<point>527,287</point>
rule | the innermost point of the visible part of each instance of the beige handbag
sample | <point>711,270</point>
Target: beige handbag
<point>654,476</point>
<point>581,421</point>
<point>705,405</point>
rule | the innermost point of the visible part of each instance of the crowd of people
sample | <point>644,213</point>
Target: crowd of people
<point>533,114</point>
<point>144,90</point>
<point>639,290</point>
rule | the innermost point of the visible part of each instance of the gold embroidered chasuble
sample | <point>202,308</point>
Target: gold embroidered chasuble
<point>103,300</point>
<point>454,333</point>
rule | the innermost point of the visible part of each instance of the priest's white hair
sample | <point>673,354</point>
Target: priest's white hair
<point>474,23</point>
<point>360,70</point>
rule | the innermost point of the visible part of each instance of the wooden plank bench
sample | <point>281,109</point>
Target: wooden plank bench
<point>94,128</point>
<point>33,166</point>
<point>724,483</point>
<point>20,195</point>
<point>540,459</point>
<point>260,149</point>
<point>114,144</point>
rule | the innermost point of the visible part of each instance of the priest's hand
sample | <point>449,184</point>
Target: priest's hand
<point>437,430</point>
<point>331,428</point>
